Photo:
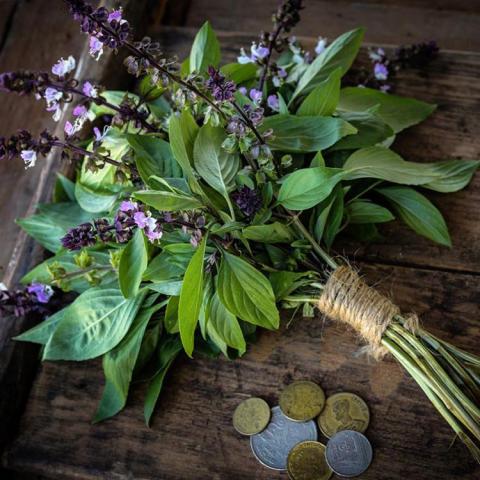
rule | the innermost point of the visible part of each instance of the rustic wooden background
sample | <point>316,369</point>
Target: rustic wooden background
<point>191,436</point>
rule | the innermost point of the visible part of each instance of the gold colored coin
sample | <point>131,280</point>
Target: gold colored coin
<point>306,461</point>
<point>301,401</point>
<point>344,411</point>
<point>251,416</point>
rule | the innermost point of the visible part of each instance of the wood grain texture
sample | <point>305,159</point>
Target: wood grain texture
<point>451,132</point>
<point>392,22</point>
<point>192,437</point>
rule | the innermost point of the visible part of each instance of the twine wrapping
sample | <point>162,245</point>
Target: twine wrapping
<point>348,299</point>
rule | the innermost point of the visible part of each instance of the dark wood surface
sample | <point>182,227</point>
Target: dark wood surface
<point>191,436</point>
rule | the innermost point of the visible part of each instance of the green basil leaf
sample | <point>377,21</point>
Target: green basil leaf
<point>371,129</point>
<point>418,213</point>
<point>284,283</point>
<point>455,175</point>
<point>171,315</point>
<point>271,233</point>
<point>133,263</point>
<point>182,131</point>
<point>64,189</point>
<point>240,72</point>
<point>307,187</point>
<point>42,332</point>
<point>292,133</point>
<point>170,263</point>
<point>335,217</point>
<point>52,222</point>
<point>246,292</point>
<point>398,112</point>
<point>363,211</point>
<point>384,164</point>
<point>217,167</point>
<point>205,50</point>
<point>191,297</point>
<point>118,366</point>
<point>323,99</point>
<point>153,156</point>
<point>167,201</point>
<point>95,200</point>
<point>96,322</point>
<point>339,54</point>
<point>169,348</point>
<point>224,324</point>
<point>167,287</point>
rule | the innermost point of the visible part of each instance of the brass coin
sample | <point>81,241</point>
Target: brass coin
<point>301,401</point>
<point>344,411</point>
<point>306,461</point>
<point>251,416</point>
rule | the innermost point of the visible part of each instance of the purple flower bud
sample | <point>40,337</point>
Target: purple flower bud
<point>243,90</point>
<point>248,201</point>
<point>69,129</point>
<point>82,236</point>
<point>41,291</point>
<point>221,88</point>
<point>96,48</point>
<point>115,15</point>
<point>80,111</point>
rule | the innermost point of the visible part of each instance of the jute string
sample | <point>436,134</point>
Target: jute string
<point>348,299</point>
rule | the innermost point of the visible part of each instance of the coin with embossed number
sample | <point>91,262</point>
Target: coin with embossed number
<point>344,411</point>
<point>302,400</point>
<point>306,461</point>
<point>348,453</point>
<point>272,446</point>
<point>251,416</point>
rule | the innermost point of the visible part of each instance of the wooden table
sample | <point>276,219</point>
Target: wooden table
<point>191,436</point>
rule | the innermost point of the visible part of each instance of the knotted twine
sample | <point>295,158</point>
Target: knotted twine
<point>348,299</point>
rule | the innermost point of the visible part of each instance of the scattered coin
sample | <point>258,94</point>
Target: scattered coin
<point>272,446</point>
<point>251,416</point>
<point>306,461</point>
<point>344,411</point>
<point>302,401</point>
<point>348,453</point>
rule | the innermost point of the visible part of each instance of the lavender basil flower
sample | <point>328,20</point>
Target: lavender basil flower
<point>82,236</point>
<point>128,206</point>
<point>256,95</point>
<point>115,15</point>
<point>221,88</point>
<point>249,201</point>
<point>259,52</point>
<point>273,103</point>
<point>29,157</point>
<point>380,71</point>
<point>64,67</point>
<point>69,129</point>
<point>96,48</point>
<point>42,292</point>
<point>90,90</point>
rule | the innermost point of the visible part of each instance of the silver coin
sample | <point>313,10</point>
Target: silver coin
<point>348,453</point>
<point>272,446</point>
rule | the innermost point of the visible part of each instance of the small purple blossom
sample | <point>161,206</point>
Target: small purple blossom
<point>377,55</point>
<point>80,111</point>
<point>256,95</point>
<point>69,129</point>
<point>259,52</point>
<point>41,291</point>
<point>128,206</point>
<point>243,90</point>
<point>64,67</point>
<point>99,136</point>
<point>115,15</point>
<point>140,219</point>
<point>96,48</point>
<point>29,157</point>
<point>273,103</point>
<point>380,71</point>
<point>90,90</point>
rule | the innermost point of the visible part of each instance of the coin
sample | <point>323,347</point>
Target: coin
<point>302,401</point>
<point>306,461</point>
<point>343,411</point>
<point>251,416</point>
<point>348,453</point>
<point>272,446</point>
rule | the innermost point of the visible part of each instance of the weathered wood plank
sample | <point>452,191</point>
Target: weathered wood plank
<point>192,436</point>
<point>393,23</point>
<point>451,132</point>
